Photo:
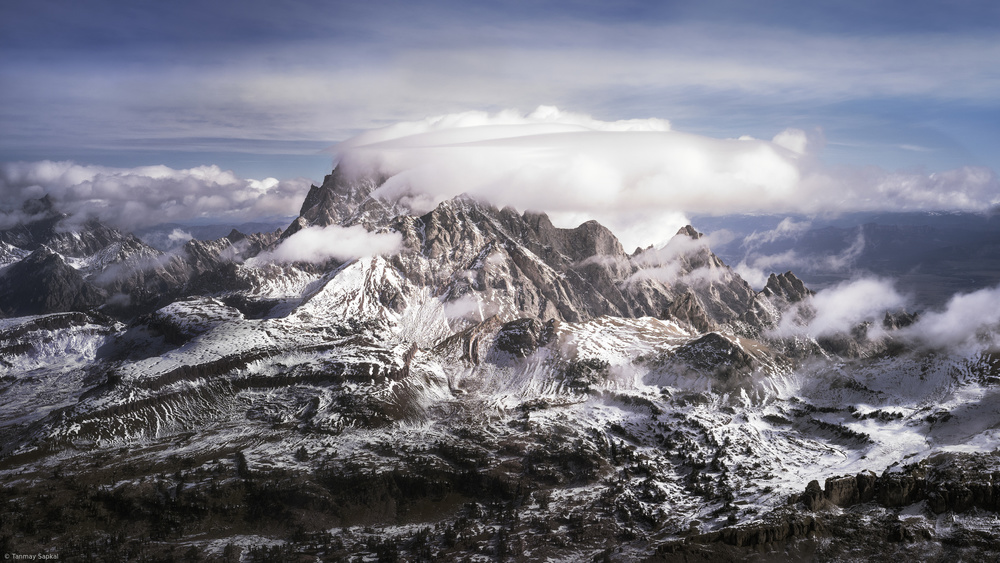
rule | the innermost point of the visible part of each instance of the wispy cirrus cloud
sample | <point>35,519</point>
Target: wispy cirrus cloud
<point>758,263</point>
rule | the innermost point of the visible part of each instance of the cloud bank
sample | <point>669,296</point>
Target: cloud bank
<point>637,172</point>
<point>145,196</point>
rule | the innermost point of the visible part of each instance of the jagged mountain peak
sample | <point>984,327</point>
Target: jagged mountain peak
<point>44,283</point>
<point>43,205</point>
<point>590,239</point>
<point>346,200</point>
<point>42,254</point>
<point>780,293</point>
<point>690,231</point>
<point>340,200</point>
<point>467,250</point>
<point>786,286</point>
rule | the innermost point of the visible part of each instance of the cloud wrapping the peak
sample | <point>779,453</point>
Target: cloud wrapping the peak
<point>642,170</point>
<point>683,259</point>
<point>147,195</point>
<point>567,162</point>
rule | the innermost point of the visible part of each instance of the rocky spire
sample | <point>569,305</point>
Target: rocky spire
<point>690,231</point>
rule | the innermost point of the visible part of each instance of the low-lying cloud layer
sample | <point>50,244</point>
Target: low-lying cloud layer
<point>320,244</point>
<point>144,196</point>
<point>840,308</point>
<point>625,173</point>
<point>966,321</point>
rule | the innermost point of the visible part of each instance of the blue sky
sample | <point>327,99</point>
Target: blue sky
<point>262,88</point>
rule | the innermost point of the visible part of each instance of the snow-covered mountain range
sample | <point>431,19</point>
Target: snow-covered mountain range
<point>469,383</point>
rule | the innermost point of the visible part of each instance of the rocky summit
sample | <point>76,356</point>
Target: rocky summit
<point>493,388</point>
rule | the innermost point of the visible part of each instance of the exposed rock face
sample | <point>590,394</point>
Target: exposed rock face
<point>101,267</point>
<point>765,311</point>
<point>849,490</point>
<point>342,200</point>
<point>948,482</point>
<point>568,274</point>
<point>716,355</point>
<point>520,338</point>
<point>813,497</point>
<point>689,231</point>
<point>439,385</point>
<point>212,266</point>
<point>786,287</point>
<point>894,490</point>
<point>47,227</point>
<point>956,483</point>
<point>844,344</point>
<point>469,254</point>
<point>464,249</point>
<point>764,533</point>
<point>471,344</point>
<point>235,236</point>
<point>44,283</point>
<point>332,202</point>
<point>898,319</point>
<point>756,535</point>
<point>687,308</point>
<point>136,277</point>
<point>866,486</point>
<point>721,294</point>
